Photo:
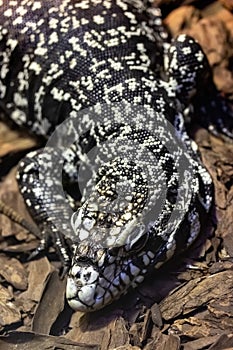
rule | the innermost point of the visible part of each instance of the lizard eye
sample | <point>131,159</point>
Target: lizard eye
<point>137,240</point>
<point>139,244</point>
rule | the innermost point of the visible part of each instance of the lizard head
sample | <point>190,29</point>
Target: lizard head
<point>110,237</point>
<point>100,275</point>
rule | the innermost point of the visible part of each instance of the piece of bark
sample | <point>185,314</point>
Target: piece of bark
<point>14,140</point>
<point>38,270</point>
<point>204,324</point>
<point>13,272</point>
<point>197,293</point>
<point>107,330</point>
<point>50,305</point>
<point>156,315</point>
<point>225,341</point>
<point>228,4</point>
<point>219,161</point>
<point>9,312</point>
<point>183,17</point>
<point>200,344</point>
<point>163,342</point>
<point>127,347</point>
<point>135,332</point>
<point>19,248</point>
<point>224,229</point>
<point>33,341</point>
<point>9,194</point>
<point>146,326</point>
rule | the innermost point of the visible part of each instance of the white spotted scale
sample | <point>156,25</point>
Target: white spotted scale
<point>106,73</point>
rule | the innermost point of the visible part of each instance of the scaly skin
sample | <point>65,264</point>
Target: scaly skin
<point>105,72</point>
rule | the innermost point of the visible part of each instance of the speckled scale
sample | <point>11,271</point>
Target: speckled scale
<point>105,59</point>
<point>70,47</point>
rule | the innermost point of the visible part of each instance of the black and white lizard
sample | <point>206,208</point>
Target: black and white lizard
<point>105,72</point>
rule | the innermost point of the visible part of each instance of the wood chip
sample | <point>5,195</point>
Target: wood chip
<point>38,270</point>
<point>156,315</point>
<point>9,312</point>
<point>13,272</point>
<point>199,344</point>
<point>163,342</point>
<point>14,140</point>
<point>51,304</point>
<point>107,330</point>
<point>197,293</point>
<point>33,341</point>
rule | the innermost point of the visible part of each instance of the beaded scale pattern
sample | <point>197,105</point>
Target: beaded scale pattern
<point>105,67</point>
